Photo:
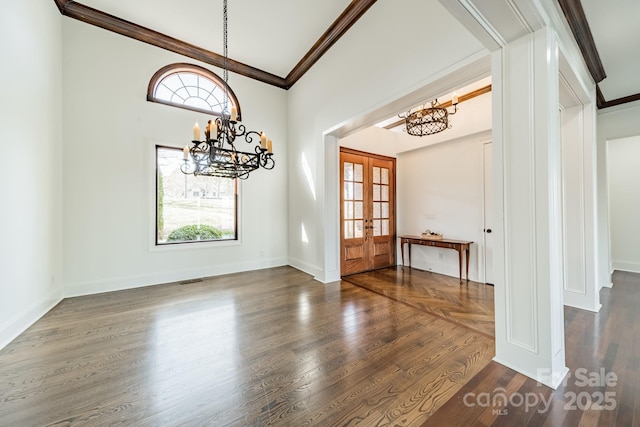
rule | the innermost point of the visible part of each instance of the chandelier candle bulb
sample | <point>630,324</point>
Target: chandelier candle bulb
<point>234,113</point>
<point>263,140</point>
<point>214,129</point>
<point>454,98</point>
<point>185,152</point>
<point>269,147</point>
<point>196,132</point>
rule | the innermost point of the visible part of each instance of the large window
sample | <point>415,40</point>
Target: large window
<point>192,208</point>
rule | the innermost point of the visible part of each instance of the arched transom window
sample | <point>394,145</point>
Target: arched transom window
<point>191,87</point>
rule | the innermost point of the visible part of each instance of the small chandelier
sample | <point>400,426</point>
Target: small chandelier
<point>429,120</point>
<point>217,155</point>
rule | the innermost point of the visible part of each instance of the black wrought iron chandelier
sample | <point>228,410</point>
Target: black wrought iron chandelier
<point>217,155</point>
<point>429,120</point>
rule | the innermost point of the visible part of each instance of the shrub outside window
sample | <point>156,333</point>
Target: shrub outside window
<point>192,208</point>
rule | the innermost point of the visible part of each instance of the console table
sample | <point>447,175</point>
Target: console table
<point>458,245</point>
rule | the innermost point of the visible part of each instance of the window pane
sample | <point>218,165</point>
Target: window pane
<point>385,210</point>
<point>358,229</point>
<point>182,94</point>
<point>358,210</point>
<point>348,229</point>
<point>189,208</point>
<point>172,82</point>
<point>384,176</point>
<point>385,227</point>
<point>163,92</point>
<point>376,192</point>
<point>376,209</point>
<point>358,173</point>
<point>348,210</point>
<point>377,227</point>
<point>348,191</point>
<point>348,171</point>
<point>376,175</point>
<point>385,193</point>
<point>357,195</point>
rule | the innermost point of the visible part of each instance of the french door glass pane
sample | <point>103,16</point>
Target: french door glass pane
<point>359,210</point>
<point>359,229</point>
<point>358,193</point>
<point>385,227</point>
<point>385,210</point>
<point>358,176</point>
<point>377,227</point>
<point>348,171</point>
<point>348,190</point>
<point>384,176</point>
<point>348,229</point>
<point>376,193</point>
<point>348,210</point>
<point>376,210</point>
<point>385,193</point>
<point>376,175</point>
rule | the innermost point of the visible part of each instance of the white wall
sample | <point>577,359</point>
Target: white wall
<point>375,63</point>
<point>373,140</point>
<point>31,165</point>
<point>439,183</point>
<point>623,156</point>
<point>110,131</point>
<point>613,123</point>
<point>440,188</point>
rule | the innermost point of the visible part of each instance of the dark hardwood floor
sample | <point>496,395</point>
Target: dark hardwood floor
<point>603,388</point>
<point>274,347</point>
<point>269,347</point>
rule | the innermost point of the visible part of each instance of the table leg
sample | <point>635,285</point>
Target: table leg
<point>460,263</point>
<point>402,251</point>
<point>467,254</point>
<point>409,248</point>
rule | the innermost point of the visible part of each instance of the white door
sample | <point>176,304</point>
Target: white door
<point>488,213</point>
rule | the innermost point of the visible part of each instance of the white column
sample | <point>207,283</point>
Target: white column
<point>527,184</point>
<point>579,207</point>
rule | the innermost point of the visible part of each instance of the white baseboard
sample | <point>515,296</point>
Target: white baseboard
<point>630,266</point>
<point>311,270</point>
<point>129,282</point>
<point>19,323</point>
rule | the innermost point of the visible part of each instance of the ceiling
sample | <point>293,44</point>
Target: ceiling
<point>608,32</point>
<point>277,41</point>
<point>270,35</point>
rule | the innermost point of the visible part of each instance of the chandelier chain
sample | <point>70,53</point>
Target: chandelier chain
<point>217,155</point>
<point>225,38</point>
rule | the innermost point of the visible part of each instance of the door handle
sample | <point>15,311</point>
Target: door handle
<point>488,230</point>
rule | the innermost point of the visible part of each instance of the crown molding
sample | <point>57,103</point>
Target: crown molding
<point>338,28</point>
<point>577,21</point>
<point>120,26</point>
